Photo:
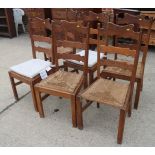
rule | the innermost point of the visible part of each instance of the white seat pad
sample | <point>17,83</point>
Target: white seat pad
<point>31,68</point>
<point>92,59</point>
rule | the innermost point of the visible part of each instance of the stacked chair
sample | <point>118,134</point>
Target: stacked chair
<point>103,18</point>
<point>116,61</point>
<point>140,24</point>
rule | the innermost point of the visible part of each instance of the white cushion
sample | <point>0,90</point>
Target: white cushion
<point>92,59</point>
<point>31,68</point>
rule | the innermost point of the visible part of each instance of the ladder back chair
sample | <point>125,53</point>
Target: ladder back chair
<point>28,72</point>
<point>60,49</point>
<point>92,60</point>
<point>109,92</point>
<point>72,15</point>
<point>36,27</point>
<point>62,83</point>
<point>143,24</point>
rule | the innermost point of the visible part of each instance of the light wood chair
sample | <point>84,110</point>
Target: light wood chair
<point>28,72</point>
<point>103,18</point>
<point>113,93</point>
<point>140,24</point>
<point>62,83</point>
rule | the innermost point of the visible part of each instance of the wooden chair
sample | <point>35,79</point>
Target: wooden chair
<point>109,92</point>
<point>140,24</point>
<point>72,16</point>
<point>92,60</point>
<point>28,72</point>
<point>62,83</point>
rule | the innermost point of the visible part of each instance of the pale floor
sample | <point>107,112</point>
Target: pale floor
<point>20,125</point>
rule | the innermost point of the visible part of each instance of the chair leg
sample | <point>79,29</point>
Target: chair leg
<point>65,67</point>
<point>14,88</point>
<point>23,27</point>
<point>91,77</point>
<point>98,105</point>
<point>129,111</point>
<point>39,103</point>
<point>45,57</point>
<point>16,26</point>
<point>34,97</point>
<point>138,90</point>
<point>141,87</point>
<point>73,108</point>
<point>130,107</point>
<point>79,113</point>
<point>121,126</point>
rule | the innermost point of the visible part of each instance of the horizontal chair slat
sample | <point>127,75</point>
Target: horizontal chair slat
<point>42,49</point>
<point>42,38</point>
<point>93,31</point>
<point>125,45</point>
<point>118,50</point>
<point>70,56</point>
<point>117,63</point>
<point>72,44</point>
<point>93,41</point>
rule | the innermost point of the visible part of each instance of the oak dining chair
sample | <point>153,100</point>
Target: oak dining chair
<point>29,72</point>
<point>62,83</point>
<point>143,24</point>
<point>117,94</point>
<point>86,19</point>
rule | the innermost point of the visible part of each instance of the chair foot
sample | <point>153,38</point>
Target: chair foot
<point>39,103</point>
<point>129,113</point>
<point>141,87</point>
<point>121,126</point>
<point>16,99</point>
<point>14,87</point>
<point>130,108</point>
<point>79,113</point>
<point>34,97</point>
<point>138,90</point>
<point>135,106</point>
<point>80,128</point>
<point>73,108</point>
<point>98,105</point>
<point>41,115</point>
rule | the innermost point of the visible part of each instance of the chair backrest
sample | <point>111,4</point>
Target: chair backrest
<point>98,17</point>
<point>122,31</point>
<point>141,23</point>
<point>18,13</point>
<point>71,15</point>
<point>39,40</point>
<point>73,35</point>
<point>93,19</point>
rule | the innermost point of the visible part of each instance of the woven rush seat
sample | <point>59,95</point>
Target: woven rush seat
<point>61,81</point>
<point>125,72</point>
<point>107,92</point>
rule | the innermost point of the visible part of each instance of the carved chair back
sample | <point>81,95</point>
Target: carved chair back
<point>125,32</point>
<point>39,40</point>
<point>73,35</point>
<point>141,23</point>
